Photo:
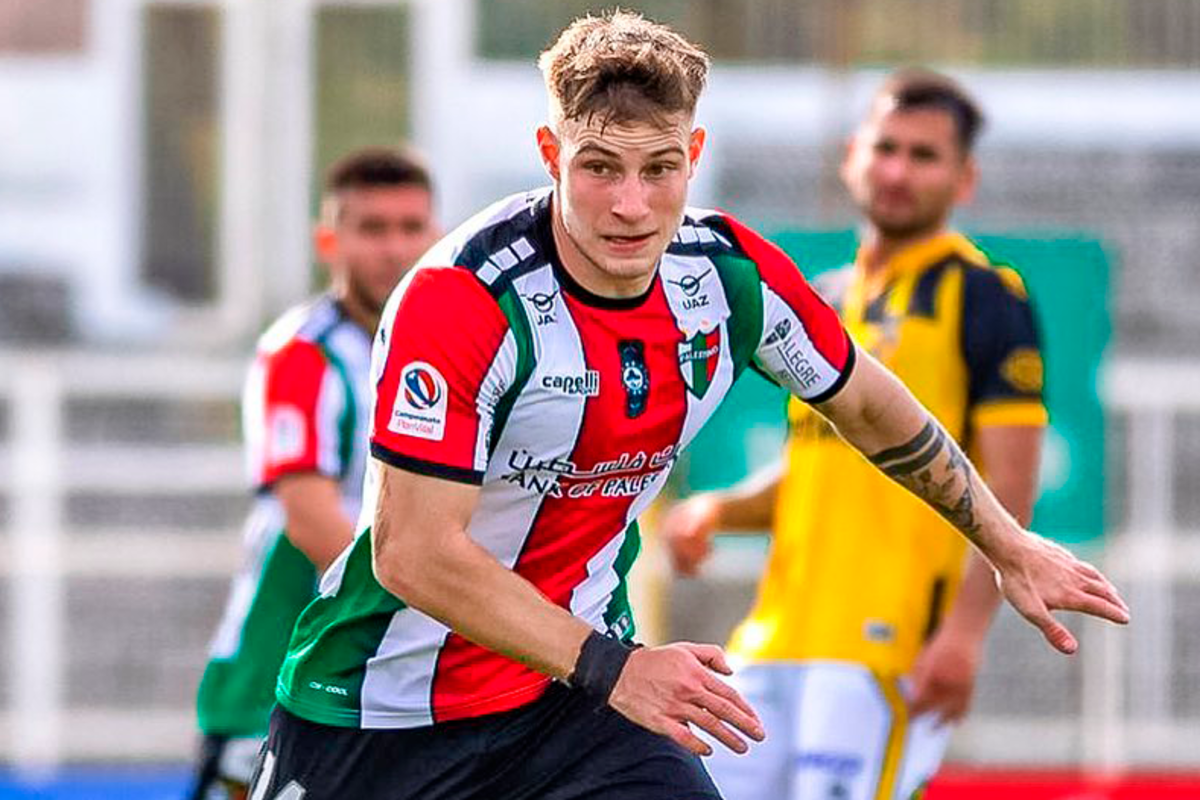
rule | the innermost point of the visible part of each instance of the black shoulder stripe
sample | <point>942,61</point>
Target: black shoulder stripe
<point>924,296</point>
<point>509,248</point>
<point>709,237</point>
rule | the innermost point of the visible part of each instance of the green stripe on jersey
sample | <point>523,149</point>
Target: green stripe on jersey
<point>743,292</point>
<point>347,422</point>
<point>618,617</point>
<point>518,322</point>
<point>322,676</point>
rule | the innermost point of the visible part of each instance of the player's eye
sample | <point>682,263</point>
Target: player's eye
<point>660,169</point>
<point>600,169</point>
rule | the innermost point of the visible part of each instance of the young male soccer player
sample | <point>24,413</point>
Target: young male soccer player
<point>534,380</point>
<point>305,409</point>
<point>871,617</point>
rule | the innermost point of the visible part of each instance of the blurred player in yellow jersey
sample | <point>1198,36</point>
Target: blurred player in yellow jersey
<point>870,619</point>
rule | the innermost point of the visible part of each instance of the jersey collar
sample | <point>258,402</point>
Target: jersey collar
<point>917,257</point>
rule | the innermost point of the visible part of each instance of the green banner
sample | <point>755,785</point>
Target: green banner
<point>1067,277</point>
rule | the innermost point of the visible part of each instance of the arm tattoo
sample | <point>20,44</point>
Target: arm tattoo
<point>947,486</point>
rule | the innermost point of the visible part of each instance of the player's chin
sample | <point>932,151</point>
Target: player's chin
<point>629,268</point>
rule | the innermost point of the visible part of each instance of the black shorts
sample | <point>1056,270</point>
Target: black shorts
<point>560,747</point>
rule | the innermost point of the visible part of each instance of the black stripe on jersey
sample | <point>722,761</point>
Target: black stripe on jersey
<point>486,242</point>
<point>422,467</point>
<point>843,376</point>
<point>924,295</point>
<point>877,311</point>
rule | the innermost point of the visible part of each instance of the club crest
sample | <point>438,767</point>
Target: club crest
<point>698,359</point>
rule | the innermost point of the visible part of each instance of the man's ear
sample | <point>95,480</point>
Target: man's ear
<point>325,243</point>
<point>967,183</point>
<point>849,151</point>
<point>695,147</point>
<point>550,150</point>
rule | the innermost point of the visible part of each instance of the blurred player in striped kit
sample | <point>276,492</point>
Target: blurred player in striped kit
<point>871,616</point>
<point>305,408</point>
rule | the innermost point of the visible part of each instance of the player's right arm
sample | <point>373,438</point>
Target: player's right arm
<point>423,554</point>
<point>431,429</point>
<point>316,522</point>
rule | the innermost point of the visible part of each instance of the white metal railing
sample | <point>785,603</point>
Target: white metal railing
<point>39,557</point>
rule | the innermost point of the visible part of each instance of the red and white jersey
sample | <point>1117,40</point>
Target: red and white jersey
<point>493,367</point>
<point>306,402</point>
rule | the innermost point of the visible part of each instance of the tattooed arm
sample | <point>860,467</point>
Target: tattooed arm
<point>876,414</point>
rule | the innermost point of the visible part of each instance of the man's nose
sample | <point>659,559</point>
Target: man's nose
<point>630,198</point>
<point>893,168</point>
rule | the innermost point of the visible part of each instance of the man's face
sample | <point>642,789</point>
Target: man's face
<point>620,193</point>
<point>906,170</point>
<point>377,234</point>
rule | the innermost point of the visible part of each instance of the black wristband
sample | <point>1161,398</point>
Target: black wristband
<point>599,665</point>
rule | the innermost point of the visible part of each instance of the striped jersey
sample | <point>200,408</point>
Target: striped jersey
<point>868,582</point>
<point>305,408</point>
<point>568,409</point>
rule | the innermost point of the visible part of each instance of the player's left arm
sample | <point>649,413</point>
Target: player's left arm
<point>943,677</point>
<point>876,414</point>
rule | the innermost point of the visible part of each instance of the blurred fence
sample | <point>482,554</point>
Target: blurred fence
<point>123,491</point>
<point>123,495</point>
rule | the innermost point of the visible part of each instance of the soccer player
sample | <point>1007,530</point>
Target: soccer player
<point>871,617</point>
<point>535,378</point>
<point>305,409</point>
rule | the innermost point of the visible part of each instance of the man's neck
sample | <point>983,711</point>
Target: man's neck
<point>878,249</point>
<point>358,312</point>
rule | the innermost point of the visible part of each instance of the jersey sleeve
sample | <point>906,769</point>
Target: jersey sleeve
<point>442,357</point>
<point>292,411</point>
<point>803,345</point>
<point>1002,350</point>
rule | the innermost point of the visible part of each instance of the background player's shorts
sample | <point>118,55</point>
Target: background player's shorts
<point>560,747</point>
<point>833,731</point>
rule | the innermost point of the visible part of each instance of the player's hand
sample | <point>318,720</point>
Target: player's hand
<point>687,530</point>
<point>943,678</point>
<point>1040,577</point>
<point>668,688</point>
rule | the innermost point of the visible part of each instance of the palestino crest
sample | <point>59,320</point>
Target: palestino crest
<point>698,359</point>
<point>420,406</point>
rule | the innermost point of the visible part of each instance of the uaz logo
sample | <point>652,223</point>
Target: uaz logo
<point>420,389</point>
<point>690,286</point>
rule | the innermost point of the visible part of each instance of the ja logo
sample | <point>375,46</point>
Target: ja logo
<point>543,305</point>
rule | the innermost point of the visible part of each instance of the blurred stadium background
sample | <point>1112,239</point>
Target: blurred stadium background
<point>158,165</point>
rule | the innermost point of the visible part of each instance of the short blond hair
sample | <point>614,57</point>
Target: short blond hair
<point>623,68</point>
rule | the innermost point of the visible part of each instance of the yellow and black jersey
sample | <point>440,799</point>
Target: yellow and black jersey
<point>860,570</point>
